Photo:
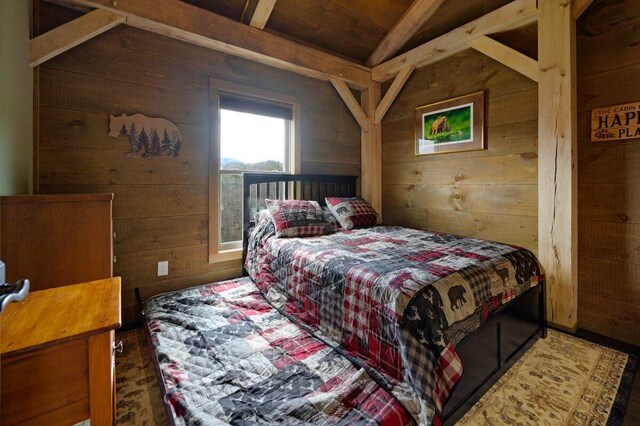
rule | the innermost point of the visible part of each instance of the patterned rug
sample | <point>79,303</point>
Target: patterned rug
<point>561,380</point>
<point>138,397</point>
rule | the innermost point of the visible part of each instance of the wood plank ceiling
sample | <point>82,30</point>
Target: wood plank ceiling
<point>350,28</point>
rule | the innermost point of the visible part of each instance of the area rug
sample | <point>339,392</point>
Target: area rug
<point>561,380</point>
<point>138,397</point>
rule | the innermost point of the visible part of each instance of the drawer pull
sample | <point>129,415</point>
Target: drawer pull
<point>117,347</point>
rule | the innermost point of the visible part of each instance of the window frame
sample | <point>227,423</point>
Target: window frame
<point>220,252</point>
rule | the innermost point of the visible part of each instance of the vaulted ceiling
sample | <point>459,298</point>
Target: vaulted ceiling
<point>350,28</point>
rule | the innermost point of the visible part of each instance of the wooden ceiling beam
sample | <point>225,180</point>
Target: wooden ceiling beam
<point>578,7</point>
<point>262,13</point>
<point>411,21</point>
<point>506,56</point>
<point>71,34</point>
<point>392,93</point>
<point>179,20</point>
<point>511,16</point>
<point>351,102</point>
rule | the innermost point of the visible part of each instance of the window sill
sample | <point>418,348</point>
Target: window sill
<point>225,255</point>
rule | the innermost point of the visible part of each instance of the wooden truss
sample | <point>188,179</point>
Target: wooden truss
<point>554,71</point>
<point>262,13</point>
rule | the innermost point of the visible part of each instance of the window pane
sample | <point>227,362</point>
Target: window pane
<point>251,142</point>
<point>230,208</point>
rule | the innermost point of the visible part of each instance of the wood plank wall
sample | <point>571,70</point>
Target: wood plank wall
<point>490,194</point>
<point>160,205</point>
<point>609,195</point>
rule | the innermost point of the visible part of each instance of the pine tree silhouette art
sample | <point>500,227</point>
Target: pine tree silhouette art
<point>133,140</point>
<point>149,136</point>
<point>176,148</point>
<point>166,143</point>
<point>155,142</point>
<point>143,141</point>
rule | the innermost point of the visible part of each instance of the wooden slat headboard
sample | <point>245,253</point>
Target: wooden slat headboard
<point>258,187</point>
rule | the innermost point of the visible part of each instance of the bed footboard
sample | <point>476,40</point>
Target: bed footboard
<point>490,351</point>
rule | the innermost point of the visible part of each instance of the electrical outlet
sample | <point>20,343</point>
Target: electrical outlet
<point>163,268</point>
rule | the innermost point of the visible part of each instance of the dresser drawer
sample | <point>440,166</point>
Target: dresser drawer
<point>47,386</point>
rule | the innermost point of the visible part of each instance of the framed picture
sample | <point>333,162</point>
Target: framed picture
<point>451,126</point>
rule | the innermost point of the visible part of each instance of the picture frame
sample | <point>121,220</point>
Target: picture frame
<point>452,125</point>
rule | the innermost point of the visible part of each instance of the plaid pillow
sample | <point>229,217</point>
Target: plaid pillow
<point>331,218</point>
<point>353,212</point>
<point>298,218</point>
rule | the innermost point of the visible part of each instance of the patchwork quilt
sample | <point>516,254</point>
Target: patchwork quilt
<point>226,356</point>
<point>394,300</point>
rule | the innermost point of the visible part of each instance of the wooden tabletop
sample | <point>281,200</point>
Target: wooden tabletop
<point>49,316</point>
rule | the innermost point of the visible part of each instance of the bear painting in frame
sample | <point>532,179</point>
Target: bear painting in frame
<point>452,125</point>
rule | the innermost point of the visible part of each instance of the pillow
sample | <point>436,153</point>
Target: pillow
<point>331,218</point>
<point>263,225</point>
<point>353,212</point>
<point>298,218</point>
<point>260,233</point>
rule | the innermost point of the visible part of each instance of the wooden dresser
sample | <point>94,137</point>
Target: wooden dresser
<point>57,355</point>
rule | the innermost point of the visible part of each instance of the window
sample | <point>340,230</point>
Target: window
<point>252,130</point>
<point>248,143</point>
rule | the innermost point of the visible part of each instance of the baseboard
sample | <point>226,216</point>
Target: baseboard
<point>130,326</point>
<point>570,330</point>
<point>607,341</point>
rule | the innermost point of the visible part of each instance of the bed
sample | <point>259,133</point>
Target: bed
<point>409,348</point>
<point>226,356</point>
<point>318,282</point>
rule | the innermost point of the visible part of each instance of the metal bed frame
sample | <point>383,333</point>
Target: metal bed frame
<point>259,186</point>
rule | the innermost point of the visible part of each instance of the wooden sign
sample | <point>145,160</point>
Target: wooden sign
<point>615,122</point>
<point>155,136</point>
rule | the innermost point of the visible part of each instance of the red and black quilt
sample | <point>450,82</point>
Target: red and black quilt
<point>226,356</point>
<point>394,300</point>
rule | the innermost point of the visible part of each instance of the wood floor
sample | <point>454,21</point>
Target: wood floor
<point>632,416</point>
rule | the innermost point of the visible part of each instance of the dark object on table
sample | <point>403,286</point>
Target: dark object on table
<point>11,292</point>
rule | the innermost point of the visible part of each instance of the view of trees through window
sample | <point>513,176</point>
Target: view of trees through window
<point>248,142</point>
